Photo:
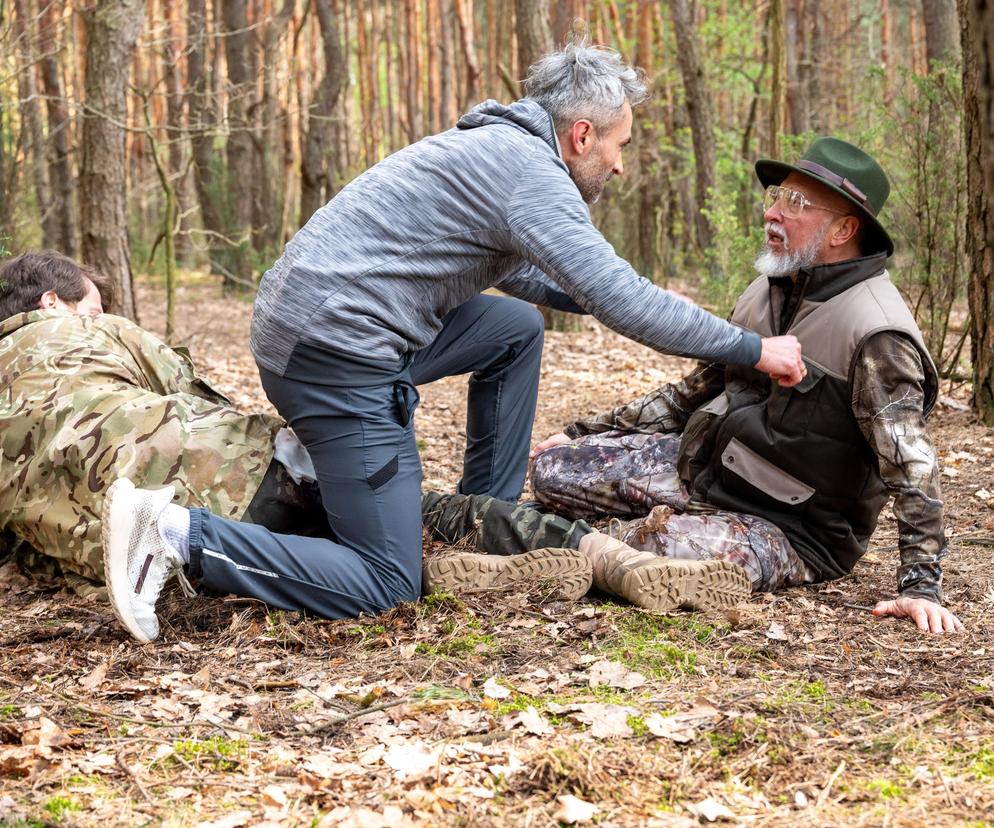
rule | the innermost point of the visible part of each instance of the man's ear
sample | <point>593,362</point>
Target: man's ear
<point>49,299</point>
<point>845,230</point>
<point>581,136</point>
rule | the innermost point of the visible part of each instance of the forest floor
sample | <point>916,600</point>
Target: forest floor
<point>794,709</point>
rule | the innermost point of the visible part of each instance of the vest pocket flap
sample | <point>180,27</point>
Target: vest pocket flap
<point>761,473</point>
<point>811,379</point>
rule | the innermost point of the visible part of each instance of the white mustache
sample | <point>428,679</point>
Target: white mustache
<point>777,228</point>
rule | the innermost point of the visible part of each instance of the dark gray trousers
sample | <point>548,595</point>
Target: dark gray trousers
<point>361,440</point>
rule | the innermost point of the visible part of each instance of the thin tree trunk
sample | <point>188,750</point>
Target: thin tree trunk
<point>112,29</point>
<point>434,49</point>
<point>239,146</point>
<point>174,134</point>
<point>412,87</point>
<point>778,80</point>
<point>61,178</point>
<point>27,85</point>
<point>698,103</point>
<point>267,207</point>
<point>649,195</point>
<point>464,14</point>
<point>534,32</point>
<point>449,100</point>
<point>941,30</point>
<point>977,33</point>
<point>316,179</point>
<point>201,114</point>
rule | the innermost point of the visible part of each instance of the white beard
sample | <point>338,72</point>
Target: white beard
<point>772,265</point>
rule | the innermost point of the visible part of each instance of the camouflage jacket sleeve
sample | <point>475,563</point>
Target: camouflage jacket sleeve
<point>664,411</point>
<point>887,400</point>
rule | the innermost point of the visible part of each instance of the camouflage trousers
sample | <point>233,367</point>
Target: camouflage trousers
<point>625,474</point>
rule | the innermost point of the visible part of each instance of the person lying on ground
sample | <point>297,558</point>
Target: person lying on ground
<point>89,397</point>
<point>787,483</point>
<point>383,290</point>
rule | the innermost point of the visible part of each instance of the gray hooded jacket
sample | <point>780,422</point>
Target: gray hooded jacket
<point>489,203</point>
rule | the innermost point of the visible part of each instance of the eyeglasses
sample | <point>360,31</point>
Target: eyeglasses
<point>791,202</point>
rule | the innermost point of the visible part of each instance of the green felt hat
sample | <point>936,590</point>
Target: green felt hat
<point>847,170</point>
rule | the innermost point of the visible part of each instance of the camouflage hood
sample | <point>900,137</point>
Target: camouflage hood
<point>85,400</point>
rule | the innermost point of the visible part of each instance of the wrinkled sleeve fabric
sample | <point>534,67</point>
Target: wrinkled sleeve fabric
<point>888,402</point>
<point>663,411</point>
<point>532,285</point>
<point>550,227</point>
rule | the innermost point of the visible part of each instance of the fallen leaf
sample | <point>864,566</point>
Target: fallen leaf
<point>411,759</point>
<point>233,820</point>
<point>573,810</point>
<point>274,795</point>
<point>95,677</point>
<point>614,674</point>
<point>710,809</point>
<point>670,727</point>
<point>776,632</point>
<point>605,720</point>
<point>493,690</point>
<point>45,736</point>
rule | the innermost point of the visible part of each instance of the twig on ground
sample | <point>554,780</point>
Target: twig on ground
<point>823,794</point>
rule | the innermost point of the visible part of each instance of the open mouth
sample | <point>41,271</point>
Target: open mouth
<point>775,236</point>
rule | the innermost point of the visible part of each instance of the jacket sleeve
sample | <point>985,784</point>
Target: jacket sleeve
<point>550,226</point>
<point>664,411</point>
<point>532,285</point>
<point>888,402</point>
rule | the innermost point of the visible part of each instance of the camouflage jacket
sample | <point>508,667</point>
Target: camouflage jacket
<point>887,401</point>
<point>85,400</point>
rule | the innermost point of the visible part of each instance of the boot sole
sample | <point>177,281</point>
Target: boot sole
<point>568,571</point>
<point>115,546</point>
<point>697,585</point>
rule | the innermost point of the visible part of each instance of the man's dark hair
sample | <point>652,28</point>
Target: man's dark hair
<point>25,278</point>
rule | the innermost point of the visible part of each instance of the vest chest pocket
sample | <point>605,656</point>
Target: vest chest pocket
<point>760,473</point>
<point>806,392</point>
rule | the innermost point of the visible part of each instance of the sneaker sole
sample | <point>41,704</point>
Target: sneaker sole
<point>116,550</point>
<point>695,585</point>
<point>567,570</point>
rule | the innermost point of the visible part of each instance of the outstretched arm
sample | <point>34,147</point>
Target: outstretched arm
<point>888,401</point>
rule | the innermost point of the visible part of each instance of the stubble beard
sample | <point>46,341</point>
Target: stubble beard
<point>589,178</point>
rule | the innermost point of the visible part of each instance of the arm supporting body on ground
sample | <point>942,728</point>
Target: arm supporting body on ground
<point>888,402</point>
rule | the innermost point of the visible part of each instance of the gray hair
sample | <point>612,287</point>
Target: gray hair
<point>583,81</point>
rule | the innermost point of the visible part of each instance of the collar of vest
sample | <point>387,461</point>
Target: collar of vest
<point>822,282</point>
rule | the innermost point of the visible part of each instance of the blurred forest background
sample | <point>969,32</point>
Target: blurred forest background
<point>163,136</point>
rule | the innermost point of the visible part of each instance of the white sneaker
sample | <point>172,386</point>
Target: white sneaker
<point>137,561</point>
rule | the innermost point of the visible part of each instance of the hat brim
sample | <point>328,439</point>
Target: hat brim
<point>774,172</point>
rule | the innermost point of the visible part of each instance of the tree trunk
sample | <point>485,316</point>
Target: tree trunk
<point>534,32</point>
<point>201,112</point>
<point>434,49</point>
<point>267,206</point>
<point>648,156</point>
<point>239,178</point>
<point>778,80</point>
<point>977,32</point>
<point>112,29</point>
<point>449,87</point>
<point>316,184</point>
<point>698,103</point>
<point>60,173</point>
<point>27,87</point>
<point>171,51</point>
<point>941,30</point>
<point>464,14</point>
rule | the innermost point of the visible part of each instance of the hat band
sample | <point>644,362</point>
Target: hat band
<point>840,182</point>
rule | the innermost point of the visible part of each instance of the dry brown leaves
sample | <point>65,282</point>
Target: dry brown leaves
<point>793,709</point>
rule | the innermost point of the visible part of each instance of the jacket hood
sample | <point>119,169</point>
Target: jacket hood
<point>526,115</point>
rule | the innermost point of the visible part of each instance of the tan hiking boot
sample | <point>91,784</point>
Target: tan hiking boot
<point>660,584</point>
<point>566,571</point>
